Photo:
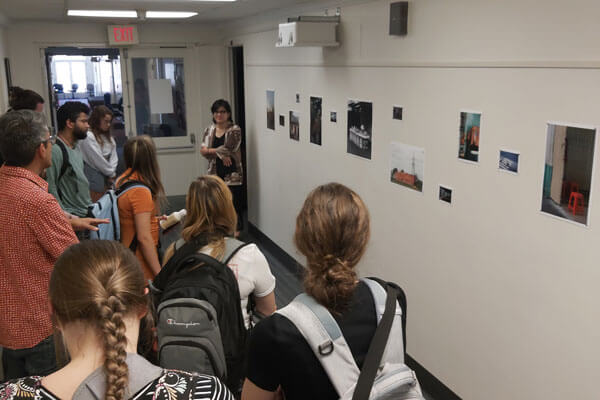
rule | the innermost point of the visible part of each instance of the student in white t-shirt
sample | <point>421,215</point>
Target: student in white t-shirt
<point>211,220</point>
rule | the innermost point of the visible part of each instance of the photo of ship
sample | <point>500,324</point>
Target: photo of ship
<point>360,119</point>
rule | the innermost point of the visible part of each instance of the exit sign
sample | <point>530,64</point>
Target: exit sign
<point>122,35</point>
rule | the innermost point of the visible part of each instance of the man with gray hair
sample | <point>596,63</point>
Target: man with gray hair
<point>34,232</point>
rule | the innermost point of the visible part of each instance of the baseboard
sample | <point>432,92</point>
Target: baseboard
<point>430,384</point>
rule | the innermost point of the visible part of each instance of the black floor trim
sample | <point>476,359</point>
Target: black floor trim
<point>285,259</point>
<point>430,384</point>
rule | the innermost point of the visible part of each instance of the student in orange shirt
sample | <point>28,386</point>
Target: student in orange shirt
<point>139,207</point>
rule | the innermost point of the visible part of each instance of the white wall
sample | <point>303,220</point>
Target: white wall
<point>502,299</point>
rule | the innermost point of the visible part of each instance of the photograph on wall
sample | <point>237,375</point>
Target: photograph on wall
<point>294,125</point>
<point>281,120</point>
<point>468,143</point>
<point>568,169</point>
<point>297,97</point>
<point>397,113</point>
<point>509,161</point>
<point>271,109</point>
<point>406,165</point>
<point>360,121</point>
<point>333,116</point>
<point>445,194</point>
<point>315,120</point>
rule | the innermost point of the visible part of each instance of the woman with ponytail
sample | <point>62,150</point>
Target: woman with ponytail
<point>98,298</point>
<point>332,232</point>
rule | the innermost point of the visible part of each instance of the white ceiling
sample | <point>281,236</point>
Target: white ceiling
<point>208,11</point>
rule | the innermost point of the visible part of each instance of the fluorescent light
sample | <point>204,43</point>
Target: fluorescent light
<point>170,14</point>
<point>103,13</point>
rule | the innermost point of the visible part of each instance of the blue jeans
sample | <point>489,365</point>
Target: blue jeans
<point>39,360</point>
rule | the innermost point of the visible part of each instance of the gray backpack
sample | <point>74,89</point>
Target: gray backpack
<point>384,374</point>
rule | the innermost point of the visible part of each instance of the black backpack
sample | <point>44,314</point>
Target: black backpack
<point>198,314</point>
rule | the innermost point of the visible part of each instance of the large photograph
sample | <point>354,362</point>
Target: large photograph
<point>271,109</point>
<point>295,125</point>
<point>468,141</point>
<point>406,165</point>
<point>568,172</point>
<point>315,120</point>
<point>360,120</point>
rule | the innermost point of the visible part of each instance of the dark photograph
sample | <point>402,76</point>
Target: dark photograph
<point>333,116</point>
<point>294,125</point>
<point>445,194</point>
<point>397,113</point>
<point>360,120</point>
<point>282,120</point>
<point>315,120</point>
<point>270,109</point>
<point>297,97</point>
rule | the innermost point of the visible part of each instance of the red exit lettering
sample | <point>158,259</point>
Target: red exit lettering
<point>123,34</point>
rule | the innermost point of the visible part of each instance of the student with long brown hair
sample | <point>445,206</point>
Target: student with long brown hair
<point>97,294</point>
<point>99,152</point>
<point>140,206</point>
<point>332,231</point>
<point>211,220</point>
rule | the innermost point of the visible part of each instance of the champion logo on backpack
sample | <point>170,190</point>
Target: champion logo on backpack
<point>171,321</point>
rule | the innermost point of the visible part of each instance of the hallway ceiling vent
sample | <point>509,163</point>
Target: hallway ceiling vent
<point>308,31</point>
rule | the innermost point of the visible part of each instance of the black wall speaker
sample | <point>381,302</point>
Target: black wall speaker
<point>398,18</point>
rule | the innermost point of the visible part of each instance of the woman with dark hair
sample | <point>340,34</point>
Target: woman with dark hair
<point>332,231</point>
<point>221,146</point>
<point>211,221</point>
<point>24,99</point>
<point>98,298</point>
<point>139,206</point>
<point>99,152</point>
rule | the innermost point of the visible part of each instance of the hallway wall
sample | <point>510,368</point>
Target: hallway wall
<point>502,298</point>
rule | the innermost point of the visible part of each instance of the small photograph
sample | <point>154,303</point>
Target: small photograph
<point>360,120</point>
<point>445,194</point>
<point>271,109</point>
<point>568,172</point>
<point>333,116</point>
<point>315,120</point>
<point>281,120</point>
<point>509,161</point>
<point>397,113</point>
<point>406,165</point>
<point>468,142</point>
<point>295,125</point>
<point>297,97</point>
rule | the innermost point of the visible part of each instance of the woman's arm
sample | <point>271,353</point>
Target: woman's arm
<point>143,226</point>
<point>92,154</point>
<point>266,305</point>
<point>253,392</point>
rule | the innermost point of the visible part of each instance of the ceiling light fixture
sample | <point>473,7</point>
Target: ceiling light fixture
<point>170,14</point>
<point>103,13</point>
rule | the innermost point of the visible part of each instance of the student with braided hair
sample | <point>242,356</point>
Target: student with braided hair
<point>98,297</point>
<point>332,232</point>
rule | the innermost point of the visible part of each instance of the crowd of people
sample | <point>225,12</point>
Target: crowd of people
<point>75,312</point>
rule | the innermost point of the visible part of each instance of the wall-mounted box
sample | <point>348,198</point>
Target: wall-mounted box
<point>301,33</point>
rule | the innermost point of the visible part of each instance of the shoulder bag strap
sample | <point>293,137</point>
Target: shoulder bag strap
<point>376,348</point>
<point>323,335</point>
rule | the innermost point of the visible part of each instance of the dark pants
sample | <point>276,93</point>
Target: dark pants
<point>237,193</point>
<point>39,360</point>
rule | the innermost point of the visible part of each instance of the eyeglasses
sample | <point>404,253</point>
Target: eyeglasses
<point>221,112</point>
<point>51,139</point>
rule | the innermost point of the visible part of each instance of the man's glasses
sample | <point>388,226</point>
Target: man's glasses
<point>51,139</point>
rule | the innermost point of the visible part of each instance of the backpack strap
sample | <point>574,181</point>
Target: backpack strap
<point>121,190</point>
<point>64,166</point>
<point>394,351</point>
<point>323,335</point>
<point>378,345</point>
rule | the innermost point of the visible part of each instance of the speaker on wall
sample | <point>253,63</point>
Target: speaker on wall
<point>399,18</point>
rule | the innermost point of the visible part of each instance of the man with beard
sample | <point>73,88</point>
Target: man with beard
<point>66,177</point>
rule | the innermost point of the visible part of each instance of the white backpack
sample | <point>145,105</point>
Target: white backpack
<point>384,374</point>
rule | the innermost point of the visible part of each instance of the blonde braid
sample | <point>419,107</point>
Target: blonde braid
<point>115,344</point>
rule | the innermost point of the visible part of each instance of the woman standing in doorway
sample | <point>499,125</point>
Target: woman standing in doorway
<point>139,206</point>
<point>99,152</point>
<point>221,146</point>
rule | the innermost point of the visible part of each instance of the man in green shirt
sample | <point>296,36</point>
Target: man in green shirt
<point>66,179</point>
